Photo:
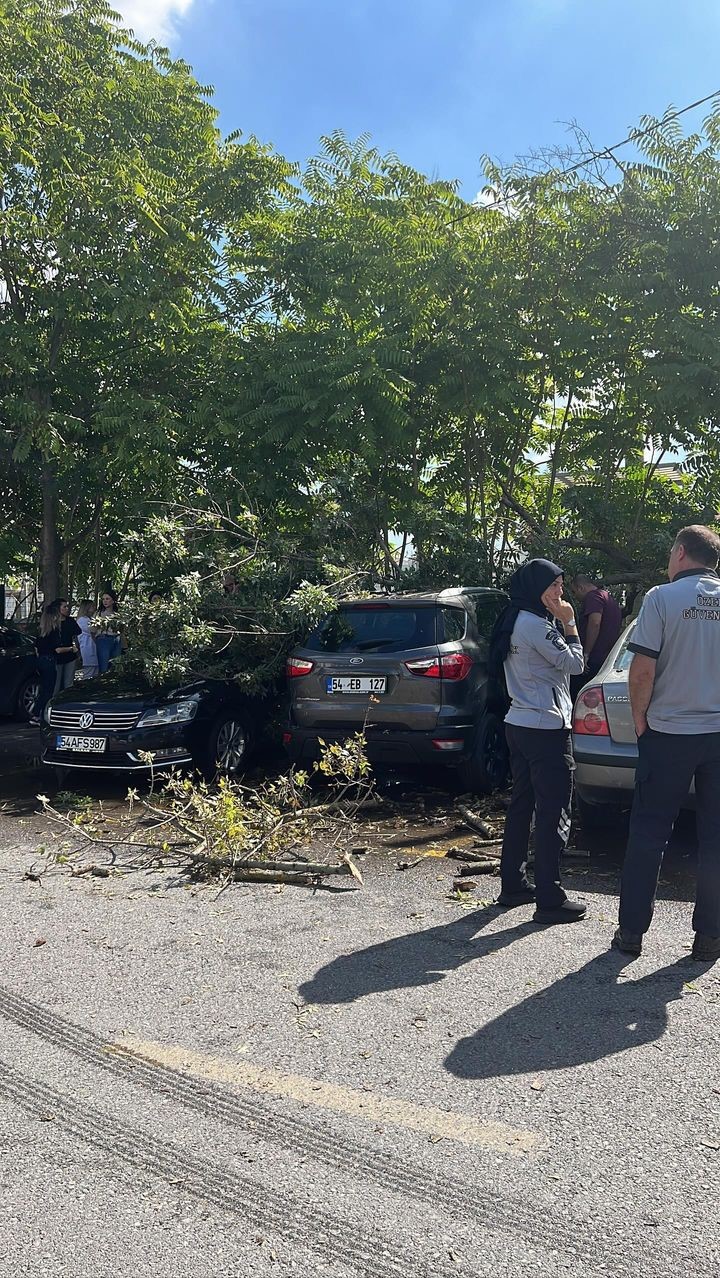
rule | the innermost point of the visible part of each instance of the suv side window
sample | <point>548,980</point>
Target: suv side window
<point>487,611</point>
<point>454,624</point>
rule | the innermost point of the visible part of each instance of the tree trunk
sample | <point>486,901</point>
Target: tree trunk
<point>49,540</point>
<point>98,547</point>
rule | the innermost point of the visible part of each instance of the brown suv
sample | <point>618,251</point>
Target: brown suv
<point>412,670</point>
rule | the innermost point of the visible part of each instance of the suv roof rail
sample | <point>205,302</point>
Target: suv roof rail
<point>470,590</point>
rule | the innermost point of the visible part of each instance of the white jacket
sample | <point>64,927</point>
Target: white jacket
<point>538,668</point>
<point>86,643</point>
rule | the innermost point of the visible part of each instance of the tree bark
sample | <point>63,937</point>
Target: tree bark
<point>98,547</point>
<point>49,540</point>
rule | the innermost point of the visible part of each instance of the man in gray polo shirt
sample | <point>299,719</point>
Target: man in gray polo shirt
<point>675,697</point>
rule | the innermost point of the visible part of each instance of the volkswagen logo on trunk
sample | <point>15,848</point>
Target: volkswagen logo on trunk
<point>87,720</point>
<point>356,661</point>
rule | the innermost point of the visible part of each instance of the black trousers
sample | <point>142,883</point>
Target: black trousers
<point>667,764</point>
<point>542,765</point>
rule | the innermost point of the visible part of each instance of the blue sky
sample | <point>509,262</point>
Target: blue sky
<point>441,82</point>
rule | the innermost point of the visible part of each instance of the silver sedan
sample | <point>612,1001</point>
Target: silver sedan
<point>604,740</point>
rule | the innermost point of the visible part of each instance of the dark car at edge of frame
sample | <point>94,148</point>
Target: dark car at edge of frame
<point>19,674</point>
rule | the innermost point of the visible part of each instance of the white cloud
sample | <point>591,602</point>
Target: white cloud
<point>152,19</point>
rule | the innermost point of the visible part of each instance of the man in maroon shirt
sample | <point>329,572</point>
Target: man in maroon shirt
<point>600,622</point>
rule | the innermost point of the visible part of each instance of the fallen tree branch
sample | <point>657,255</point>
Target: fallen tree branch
<point>482,867</point>
<point>476,822</point>
<point>233,832</point>
<point>463,854</point>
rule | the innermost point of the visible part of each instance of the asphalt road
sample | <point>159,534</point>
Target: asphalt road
<point>361,1082</point>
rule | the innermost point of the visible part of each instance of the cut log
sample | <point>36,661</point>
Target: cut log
<point>311,868</point>
<point>466,854</point>
<point>475,822</point>
<point>482,867</point>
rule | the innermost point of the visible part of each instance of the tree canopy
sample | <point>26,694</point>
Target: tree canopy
<point>388,377</point>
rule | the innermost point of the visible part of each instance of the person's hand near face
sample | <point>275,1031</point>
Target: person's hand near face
<point>552,599</point>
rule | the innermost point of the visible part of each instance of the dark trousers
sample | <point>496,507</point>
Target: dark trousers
<point>666,766</point>
<point>48,676</point>
<point>542,765</point>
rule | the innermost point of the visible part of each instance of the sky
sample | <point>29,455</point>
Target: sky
<point>441,82</point>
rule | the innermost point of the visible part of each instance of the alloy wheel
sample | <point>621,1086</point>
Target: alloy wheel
<point>29,696</point>
<point>231,746</point>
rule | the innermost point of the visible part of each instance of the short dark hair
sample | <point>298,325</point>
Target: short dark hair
<point>582,579</point>
<point>701,544</point>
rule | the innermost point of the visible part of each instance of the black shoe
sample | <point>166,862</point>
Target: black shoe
<point>569,912</point>
<point>526,896</point>
<point>706,948</point>
<point>627,942</point>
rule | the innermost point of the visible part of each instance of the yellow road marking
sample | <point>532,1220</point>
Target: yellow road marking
<point>426,1120</point>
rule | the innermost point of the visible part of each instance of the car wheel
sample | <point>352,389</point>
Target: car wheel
<point>27,696</point>
<point>597,816</point>
<point>228,745</point>
<point>486,768</point>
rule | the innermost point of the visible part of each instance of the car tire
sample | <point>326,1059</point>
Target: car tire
<point>487,766</point>
<point>228,745</point>
<point>597,816</point>
<point>26,698</point>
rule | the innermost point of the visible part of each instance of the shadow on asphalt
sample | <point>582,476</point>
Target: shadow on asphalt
<point>588,1015</point>
<point>416,959</point>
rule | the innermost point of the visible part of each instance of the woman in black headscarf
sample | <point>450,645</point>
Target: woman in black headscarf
<point>535,645</point>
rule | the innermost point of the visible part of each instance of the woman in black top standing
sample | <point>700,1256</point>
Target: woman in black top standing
<point>57,651</point>
<point>46,643</point>
<point>68,651</point>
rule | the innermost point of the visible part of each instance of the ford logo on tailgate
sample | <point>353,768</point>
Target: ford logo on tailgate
<point>356,661</point>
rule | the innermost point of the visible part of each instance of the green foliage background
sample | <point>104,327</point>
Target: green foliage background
<point>377,381</point>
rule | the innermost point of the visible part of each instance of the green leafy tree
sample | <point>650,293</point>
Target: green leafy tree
<point>116,191</point>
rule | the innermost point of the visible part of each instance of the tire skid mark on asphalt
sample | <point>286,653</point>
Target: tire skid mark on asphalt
<point>272,1210</point>
<point>339,1099</point>
<point>597,1240</point>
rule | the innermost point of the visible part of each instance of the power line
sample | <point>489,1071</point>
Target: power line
<point>606,153</point>
<point>635,136</point>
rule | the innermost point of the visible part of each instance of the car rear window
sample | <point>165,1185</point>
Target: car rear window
<point>10,639</point>
<point>379,627</point>
<point>454,620</point>
<point>625,655</point>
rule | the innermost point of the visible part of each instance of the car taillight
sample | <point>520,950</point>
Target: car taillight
<point>455,665</point>
<point>452,665</point>
<point>295,667</point>
<point>590,718</point>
